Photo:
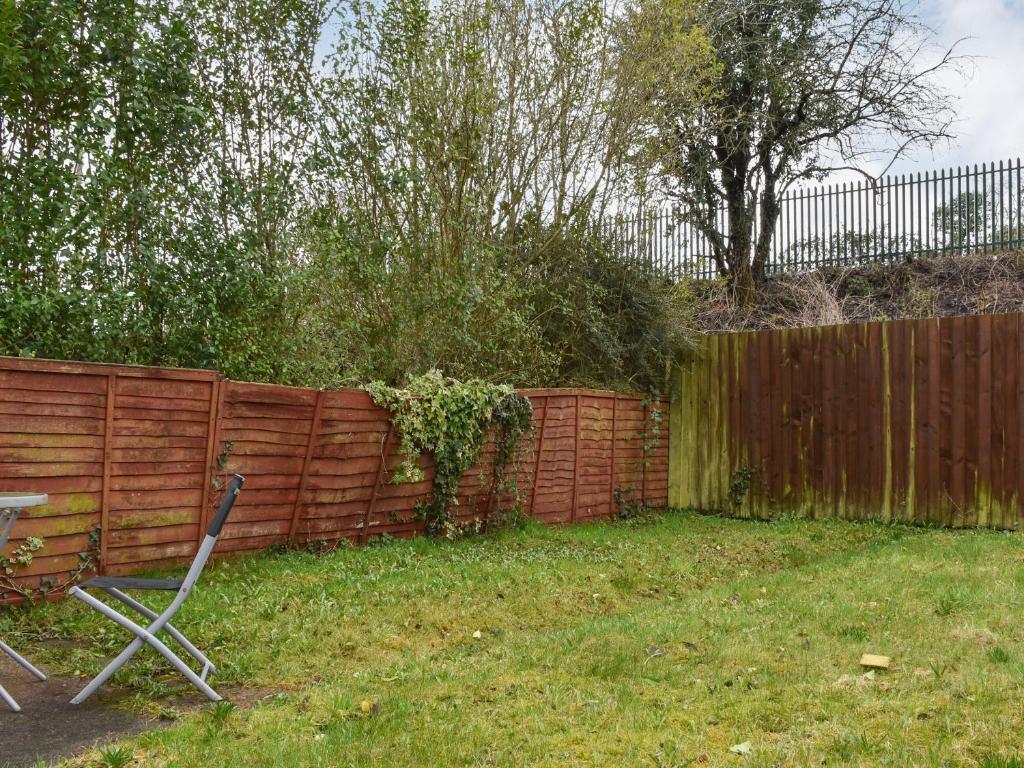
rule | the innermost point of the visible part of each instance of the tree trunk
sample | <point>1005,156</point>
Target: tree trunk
<point>769,215</point>
<point>743,283</point>
<point>740,235</point>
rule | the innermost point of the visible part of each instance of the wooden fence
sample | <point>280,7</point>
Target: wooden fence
<point>911,420</point>
<point>137,453</point>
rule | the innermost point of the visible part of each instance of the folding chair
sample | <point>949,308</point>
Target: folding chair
<point>7,518</point>
<point>113,586</point>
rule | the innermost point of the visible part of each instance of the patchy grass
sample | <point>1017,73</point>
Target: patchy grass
<point>661,643</point>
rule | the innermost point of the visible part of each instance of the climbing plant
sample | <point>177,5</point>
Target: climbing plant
<point>653,418</point>
<point>650,440</point>
<point>22,556</point>
<point>449,420</point>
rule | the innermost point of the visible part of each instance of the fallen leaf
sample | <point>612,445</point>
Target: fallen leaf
<point>478,634</point>
<point>742,749</point>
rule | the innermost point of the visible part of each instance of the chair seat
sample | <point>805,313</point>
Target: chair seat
<point>127,582</point>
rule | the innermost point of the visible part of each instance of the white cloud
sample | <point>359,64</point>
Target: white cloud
<point>990,104</point>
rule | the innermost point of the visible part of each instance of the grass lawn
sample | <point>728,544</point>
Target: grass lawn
<point>661,642</point>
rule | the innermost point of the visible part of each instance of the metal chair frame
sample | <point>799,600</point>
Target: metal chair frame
<point>147,635</point>
<point>7,520</point>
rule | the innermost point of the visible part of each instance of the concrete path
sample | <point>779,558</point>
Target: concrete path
<point>48,727</point>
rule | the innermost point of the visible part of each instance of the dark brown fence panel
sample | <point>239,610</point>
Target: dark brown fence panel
<point>139,455</point>
<point>911,420</point>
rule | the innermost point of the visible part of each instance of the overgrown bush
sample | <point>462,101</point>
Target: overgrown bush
<point>390,308</point>
<point>608,321</point>
<point>198,185</point>
<point>927,287</point>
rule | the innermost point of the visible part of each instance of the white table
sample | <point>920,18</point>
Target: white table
<point>11,505</point>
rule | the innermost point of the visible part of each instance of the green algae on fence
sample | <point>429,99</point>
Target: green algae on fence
<point>909,420</point>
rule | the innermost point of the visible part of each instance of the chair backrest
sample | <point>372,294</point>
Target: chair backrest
<point>230,494</point>
<point>7,518</point>
<point>206,548</point>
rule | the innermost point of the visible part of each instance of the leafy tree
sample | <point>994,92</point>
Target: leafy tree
<point>98,119</point>
<point>759,94</point>
<point>470,147</point>
<point>609,322</point>
<point>190,183</point>
<point>148,179</point>
<point>968,219</point>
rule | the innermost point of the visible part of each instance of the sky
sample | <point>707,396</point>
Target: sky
<point>990,103</point>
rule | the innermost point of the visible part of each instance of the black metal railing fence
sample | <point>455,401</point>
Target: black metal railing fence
<point>956,211</point>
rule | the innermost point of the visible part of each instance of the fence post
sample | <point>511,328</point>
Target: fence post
<point>611,472</point>
<point>540,450</point>
<point>385,447</point>
<point>314,426</point>
<point>576,459</point>
<point>108,436</point>
<point>643,457</point>
<point>211,448</point>
<point>215,432</point>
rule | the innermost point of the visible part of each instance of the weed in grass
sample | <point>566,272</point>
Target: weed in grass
<point>794,556</point>
<point>998,655</point>
<point>856,633</point>
<point>952,601</point>
<point>220,712</point>
<point>625,582</point>
<point>999,761</point>
<point>670,755</point>
<point>853,744</point>
<point>115,757</point>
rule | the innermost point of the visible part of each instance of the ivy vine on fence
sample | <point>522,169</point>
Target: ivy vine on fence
<point>21,557</point>
<point>450,420</point>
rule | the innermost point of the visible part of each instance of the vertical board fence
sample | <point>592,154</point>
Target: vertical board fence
<point>138,454</point>
<point>918,421</point>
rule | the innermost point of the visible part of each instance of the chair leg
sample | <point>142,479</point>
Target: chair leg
<point>9,700</point>
<point>185,669</point>
<point>130,650</point>
<point>153,616</point>
<point>21,660</point>
<point>115,664</point>
<point>142,635</point>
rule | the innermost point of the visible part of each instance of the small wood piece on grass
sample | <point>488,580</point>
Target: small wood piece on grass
<point>873,661</point>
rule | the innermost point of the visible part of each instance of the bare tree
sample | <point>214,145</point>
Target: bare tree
<point>490,113</point>
<point>770,92</point>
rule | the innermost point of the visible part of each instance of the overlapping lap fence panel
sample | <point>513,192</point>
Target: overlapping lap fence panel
<point>137,455</point>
